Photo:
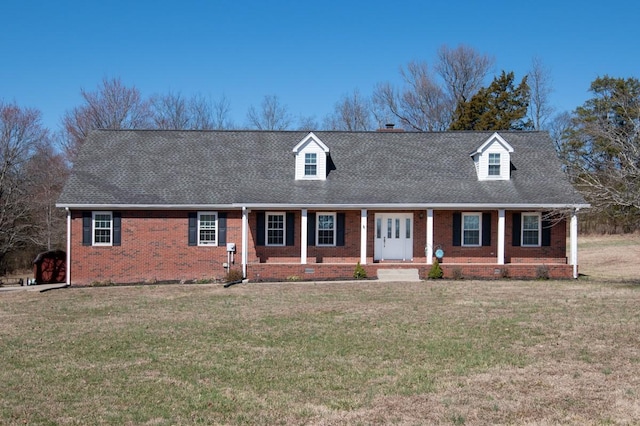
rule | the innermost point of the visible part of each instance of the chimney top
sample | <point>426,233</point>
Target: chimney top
<point>389,127</point>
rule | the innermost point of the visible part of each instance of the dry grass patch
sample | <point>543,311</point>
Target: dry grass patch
<point>610,257</point>
<point>463,352</point>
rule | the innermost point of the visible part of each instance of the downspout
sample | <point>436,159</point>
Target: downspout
<point>68,268</point>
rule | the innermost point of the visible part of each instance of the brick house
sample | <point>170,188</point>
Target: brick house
<point>147,205</point>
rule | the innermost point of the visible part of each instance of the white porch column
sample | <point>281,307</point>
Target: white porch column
<point>245,241</point>
<point>428,251</point>
<point>363,236</point>
<point>303,236</point>
<point>573,237</point>
<point>501,231</point>
<point>68,267</point>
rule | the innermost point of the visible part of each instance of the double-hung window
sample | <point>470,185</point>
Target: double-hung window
<point>326,229</point>
<point>471,229</point>
<point>531,229</point>
<point>275,229</point>
<point>310,164</point>
<point>207,228</point>
<point>102,228</point>
<point>494,164</point>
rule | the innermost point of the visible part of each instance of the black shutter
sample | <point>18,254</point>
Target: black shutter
<point>222,228</point>
<point>290,238</point>
<point>517,225</point>
<point>260,228</point>
<point>546,233</point>
<point>193,228</point>
<point>340,229</point>
<point>311,229</point>
<point>117,228</point>
<point>486,229</point>
<point>86,228</point>
<point>457,229</point>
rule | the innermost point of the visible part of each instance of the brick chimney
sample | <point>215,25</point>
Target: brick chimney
<point>390,127</point>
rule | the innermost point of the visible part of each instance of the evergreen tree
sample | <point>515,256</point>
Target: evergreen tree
<point>601,150</point>
<point>501,106</point>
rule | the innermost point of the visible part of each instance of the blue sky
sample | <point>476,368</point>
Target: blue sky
<point>308,53</point>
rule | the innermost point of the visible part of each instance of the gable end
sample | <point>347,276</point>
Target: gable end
<point>493,159</point>
<point>311,158</point>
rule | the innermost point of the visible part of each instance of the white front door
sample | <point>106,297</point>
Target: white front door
<point>394,236</point>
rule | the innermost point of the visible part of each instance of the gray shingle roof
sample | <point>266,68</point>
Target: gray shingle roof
<point>163,168</point>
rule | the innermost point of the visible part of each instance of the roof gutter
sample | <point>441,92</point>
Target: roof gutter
<point>284,206</point>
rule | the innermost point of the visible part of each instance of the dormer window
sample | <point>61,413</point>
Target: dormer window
<point>494,164</point>
<point>311,158</point>
<point>310,164</point>
<point>493,159</point>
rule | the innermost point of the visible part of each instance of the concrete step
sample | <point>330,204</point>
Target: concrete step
<point>397,275</point>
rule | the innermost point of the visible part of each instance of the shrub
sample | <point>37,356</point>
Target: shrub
<point>233,275</point>
<point>359,273</point>
<point>436,271</point>
<point>542,272</point>
<point>457,273</point>
<point>504,272</point>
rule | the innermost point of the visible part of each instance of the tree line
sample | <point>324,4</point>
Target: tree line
<point>598,142</point>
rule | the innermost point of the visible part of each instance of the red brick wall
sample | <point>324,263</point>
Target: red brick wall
<point>155,247</point>
<point>443,236</point>
<point>557,249</point>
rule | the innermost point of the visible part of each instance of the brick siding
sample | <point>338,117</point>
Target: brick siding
<point>155,248</point>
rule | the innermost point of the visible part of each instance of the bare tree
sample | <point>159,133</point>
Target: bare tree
<point>540,83</point>
<point>170,112</point>
<point>421,105</point>
<point>463,71</point>
<point>47,172</point>
<point>272,115</point>
<point>351,113</point>
<point>221,110</point>
<point>175,112</point>
<point>427,101</point>
<point>558,129</point>
<point>20,133</point>
<point>111,106</point>
<point>307,123</point>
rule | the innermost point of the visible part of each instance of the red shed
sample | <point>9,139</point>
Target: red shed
<point>50,267</point>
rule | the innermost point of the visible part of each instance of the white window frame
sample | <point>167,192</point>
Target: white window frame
<point>335,226</point>
<point>522,230</point>
<point>479,216</point>
<point>309,156</point>
<point>214,228</point>
<point>94,228</point>
<point>267,229</point>
<point>490,164</point>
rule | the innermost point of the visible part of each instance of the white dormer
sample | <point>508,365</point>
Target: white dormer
<point>493,159</point>
<point>311,158</point>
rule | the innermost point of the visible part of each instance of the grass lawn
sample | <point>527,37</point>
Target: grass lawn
<point>436,352</point>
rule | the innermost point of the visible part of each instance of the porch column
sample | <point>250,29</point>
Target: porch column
<point>501,230</point>
<point>573,237</point>
<point>428,251</point>
<point>363,236</point>
<point>303,236</point>
<point>68,267</point>
<point>245,241</point>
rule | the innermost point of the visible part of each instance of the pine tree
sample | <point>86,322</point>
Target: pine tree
<point>501,106</point>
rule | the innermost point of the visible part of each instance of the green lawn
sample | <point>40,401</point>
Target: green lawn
<point>448,352</point>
